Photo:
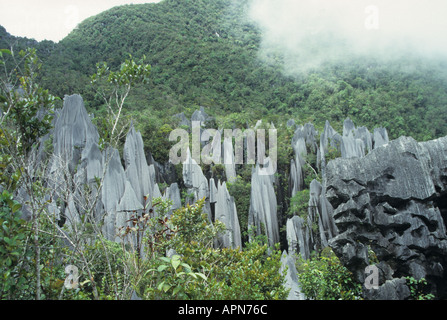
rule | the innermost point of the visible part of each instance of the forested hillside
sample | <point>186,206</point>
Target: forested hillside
<point>205,53</point>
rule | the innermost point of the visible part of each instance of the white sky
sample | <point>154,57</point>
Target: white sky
<point>51,19</point>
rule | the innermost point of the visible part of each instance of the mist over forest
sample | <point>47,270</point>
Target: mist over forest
<point>307,34</point>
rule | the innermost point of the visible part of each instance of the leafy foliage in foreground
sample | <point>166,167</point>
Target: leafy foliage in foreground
<point>325,278</point>
<point>199,271</point>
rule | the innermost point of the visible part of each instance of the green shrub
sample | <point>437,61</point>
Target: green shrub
<point>325,278</point>
<point>13,233</point>
<point>418,289</point>
<point>204,272</point>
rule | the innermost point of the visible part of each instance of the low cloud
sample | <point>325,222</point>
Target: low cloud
<point>308,33</point>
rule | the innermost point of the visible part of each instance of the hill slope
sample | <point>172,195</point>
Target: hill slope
<point>205,53</point>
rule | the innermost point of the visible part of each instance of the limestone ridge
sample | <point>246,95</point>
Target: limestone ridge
<point>393,202</point>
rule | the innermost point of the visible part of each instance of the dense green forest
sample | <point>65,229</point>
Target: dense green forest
<point>206,53</point>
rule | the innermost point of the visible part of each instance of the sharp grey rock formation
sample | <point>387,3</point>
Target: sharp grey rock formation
<point>229,162</point>
<point>54,210</point>
<point>112,191</point>
<point>129,201</point>
<point>328,139</point>
<point>301,236</point>
<point>124,190</point>
<point>291,277</point>
<point>114,180</point>
<point>199,115</point>
<point>301,239</point>
<point>320,211</point>
<point>137,170</point>
<point>183,121</point>
<point>380,137</point>
<point>290,123</point>
<point>71,214</point>
<point>194,178</point>
<point>92,161</point>
<point>393,202</point>
<point>303,139</point>
<point>227,214</point>
<point>164,173</point>
<point>73,130</point>
<point>298,236</point>
<point>395,289</point>
<point>348,128</point>
<point>196,182</point>
<point>213,191</point>
<point>263,206</point>
<point>351,145</point>
<point>363,134</point>
<point>173,193</point>
<point>357,142</point>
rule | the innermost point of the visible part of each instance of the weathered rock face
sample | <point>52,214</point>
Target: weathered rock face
<point>196,182</point>
<point>303,139</point>
<point>226,213</point>
<point>356,142</point>
<point>328,139</point>
<point>125,189</point>
<point>263,206</point>
<point>73,130</point>
<point>393,201</point>
<point>300,235</point>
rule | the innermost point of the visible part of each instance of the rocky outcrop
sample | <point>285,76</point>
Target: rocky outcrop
<point>298,237</point>
<point>330,140</point>
<point>73,131</point>
<point>392,203</point>
<point>262,216</point>
<point>305,235</point>
<point>124,190</point>
<point>303,139</point>
<point>196,183</point>
<point>226,213</point>
<point>356,142</point>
